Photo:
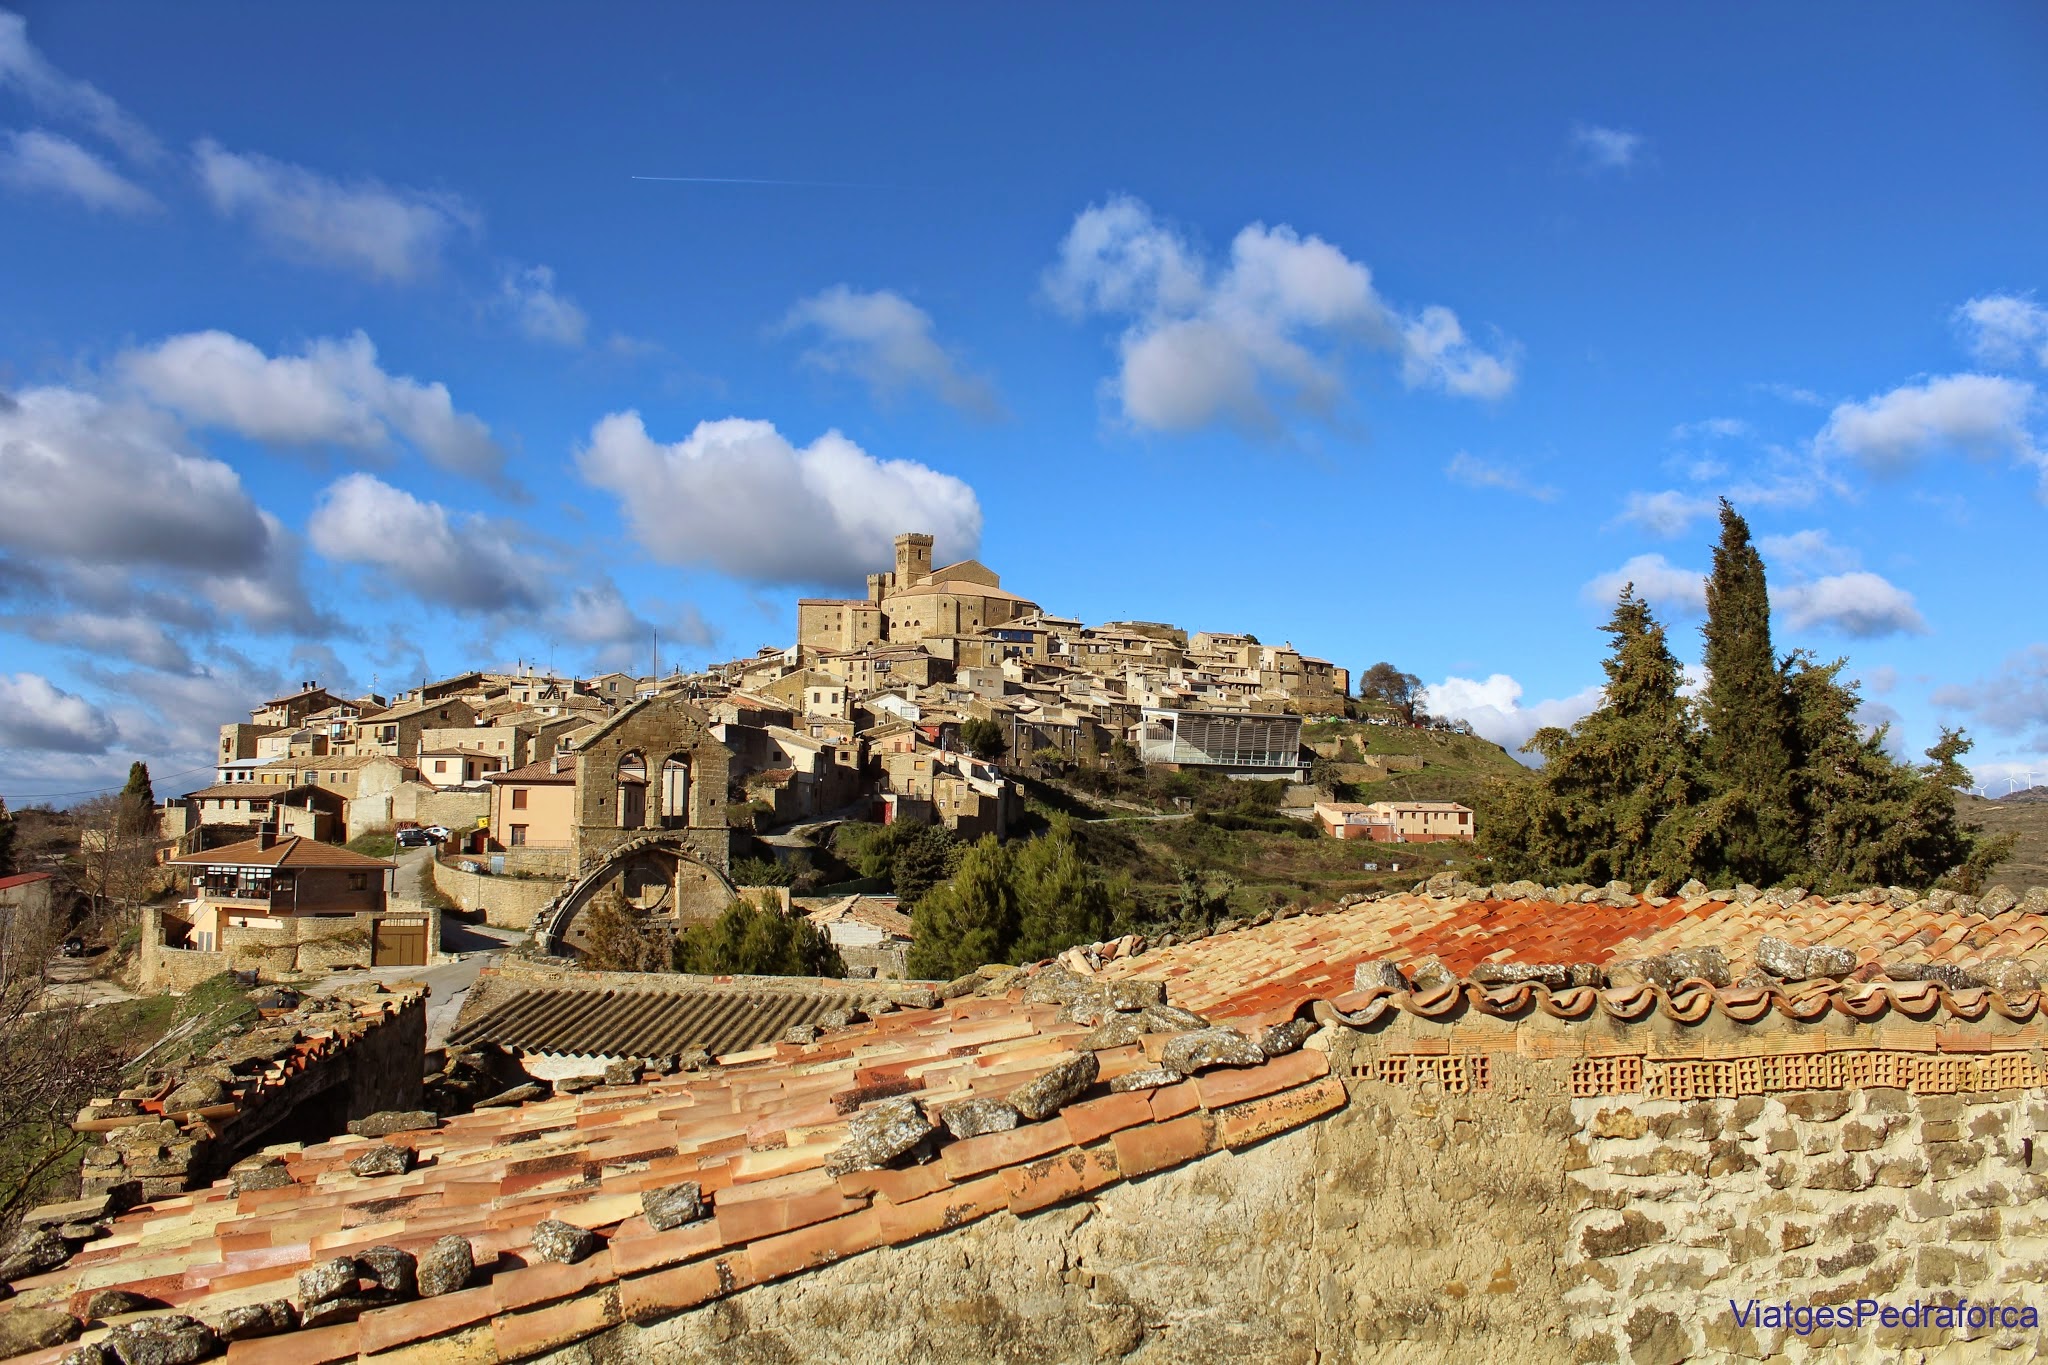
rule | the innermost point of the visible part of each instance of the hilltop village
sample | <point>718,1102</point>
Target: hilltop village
<point>869,701</point>
<point>914,705</point>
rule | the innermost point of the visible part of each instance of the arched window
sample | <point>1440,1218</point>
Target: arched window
<point>632,786</point>
<point>674,806</point>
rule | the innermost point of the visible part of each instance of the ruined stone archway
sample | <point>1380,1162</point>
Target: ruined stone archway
<point>699,890</point>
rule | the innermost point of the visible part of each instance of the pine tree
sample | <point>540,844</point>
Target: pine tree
<point>1868,819</point>
<point>1747,831</point>
<point>967,922</point>
<point>758,940</point>
<point>1612,798</point>
<point>1062,900</point>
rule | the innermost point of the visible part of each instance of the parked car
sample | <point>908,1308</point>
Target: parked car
<point>73,947</point>
<point>414,838</point>
<point>437,832</point>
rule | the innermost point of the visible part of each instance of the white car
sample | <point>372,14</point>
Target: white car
<point>436,832</point>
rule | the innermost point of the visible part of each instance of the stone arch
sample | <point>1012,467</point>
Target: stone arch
<point>700,890</point>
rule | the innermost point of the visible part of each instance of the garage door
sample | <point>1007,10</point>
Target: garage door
<point>401,943</point>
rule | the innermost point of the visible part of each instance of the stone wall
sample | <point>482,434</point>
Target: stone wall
<point>1529,1188</point>
<point>172,969</point>
<point>458,811</point>
<point>299,945</point>
<point>305,1073</point>
<point>1820,1197</point>
<point>506,902</point>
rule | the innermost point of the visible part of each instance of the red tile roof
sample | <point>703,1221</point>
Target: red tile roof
<point>755,1135</point>
<point>1309,955</point>
<point>289,851</point>
<point>23,879</point>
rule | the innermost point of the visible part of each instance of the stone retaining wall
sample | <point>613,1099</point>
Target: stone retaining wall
<point>506,902</point>
<point>307,1071</point>
<point>302,945</point>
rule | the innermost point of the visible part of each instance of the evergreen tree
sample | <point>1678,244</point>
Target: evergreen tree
<point>1615,789</point>
<point>1747,831</point>
<point>969,921</point>
<point>1061,899</point>
<point>983,738</point>
<point>1771,780</point>
<point>138,800</point>
<point>920,857</point>
<point>1868,819</point>
<point>6,841</point>
<point>758,940</point>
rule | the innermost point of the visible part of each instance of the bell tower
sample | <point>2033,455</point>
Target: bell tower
<point>913,558</point>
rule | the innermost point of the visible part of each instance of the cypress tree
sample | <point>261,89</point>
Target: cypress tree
<point>6,841</point>
<point>138,800</point>
<point>1612,797</point>
<point>1747,831</point>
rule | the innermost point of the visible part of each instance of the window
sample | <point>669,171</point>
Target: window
<point>440,765</point>
<point>518,836</point>
<point>358,881</point>
<point>519,798</point>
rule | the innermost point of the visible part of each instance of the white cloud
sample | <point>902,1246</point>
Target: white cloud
<point>539,310</point>
<point>1662,584</point>
<point>1977,414</point>
<point>1713,428</point>
<point>1668,514</point>
<point>273,596</point>
<point>2005,329</point>
<point>47,163</point>
<point>37,714</point>
<point>387,232</point>
<point>64,97</point>
<point>1861,604</point>
<point>137,638</point>
<point>888,343</point>
<point>1494,710</point>
<point>597,616</point>
<point>1806,552</point>
<point>2013,701</point>
<point>97,483</point>
<point>1606,149</point>
<point>737,495</point>
<point>1474,472</point>
<point>467,563</point>
<point>334,393</point>
<point>1256,339</point>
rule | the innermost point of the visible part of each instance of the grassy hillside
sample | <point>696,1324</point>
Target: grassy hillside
<point>1455,767</point>
<point>2028,865</point>
<point>1256,870</point>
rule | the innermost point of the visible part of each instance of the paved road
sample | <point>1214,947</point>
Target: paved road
<point>472,947</point>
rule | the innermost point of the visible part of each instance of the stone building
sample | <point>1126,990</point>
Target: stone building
<point>912,602</point>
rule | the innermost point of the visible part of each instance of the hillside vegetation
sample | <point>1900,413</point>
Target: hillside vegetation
<point>2027,822</point>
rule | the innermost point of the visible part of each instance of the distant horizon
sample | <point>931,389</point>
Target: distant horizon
<point>1400,336</point>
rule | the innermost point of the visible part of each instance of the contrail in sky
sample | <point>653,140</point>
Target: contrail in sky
<point>724,180</point>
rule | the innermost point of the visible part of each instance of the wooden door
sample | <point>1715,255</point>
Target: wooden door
<point>400,943</point>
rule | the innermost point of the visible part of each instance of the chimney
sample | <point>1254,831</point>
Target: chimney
<point>266,835</point>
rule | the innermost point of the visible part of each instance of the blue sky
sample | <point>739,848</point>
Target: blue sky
<point>348,346</point>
